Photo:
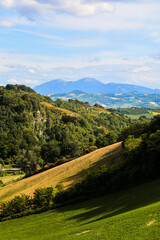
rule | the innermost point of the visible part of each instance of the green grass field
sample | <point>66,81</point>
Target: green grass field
<point>147,115</point>
<point>132,214</point>
<point>10,178</point>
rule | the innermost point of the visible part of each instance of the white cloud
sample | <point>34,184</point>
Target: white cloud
<point>13,81</point>
<point>31,71</point>
<point>141,69</point>
<point>76,7</point>
<point>6,23</point>
<point>31,82</point>
<point>87,14</point>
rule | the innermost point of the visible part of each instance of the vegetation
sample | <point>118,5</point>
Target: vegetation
<point>42,198</point>
<point>140,113</point>
<point>133,214</point>
<point>37,133</point>
<point>67,174</point>
<point>140,163</point>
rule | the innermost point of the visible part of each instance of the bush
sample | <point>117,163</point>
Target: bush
<point>16,205</point>
<point>43,197</point>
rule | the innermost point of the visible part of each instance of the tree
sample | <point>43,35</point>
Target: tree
<point>50,151</point>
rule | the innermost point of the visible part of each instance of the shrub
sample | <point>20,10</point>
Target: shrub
<point>43,197</point>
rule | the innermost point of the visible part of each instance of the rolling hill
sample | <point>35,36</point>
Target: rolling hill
<point>67,174</point>
<point>90,85</point>
<point>132,214</point>
<point>113,100</point>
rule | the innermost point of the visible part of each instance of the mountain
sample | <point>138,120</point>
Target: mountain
<point>117,100</point>
<point>90,85</point>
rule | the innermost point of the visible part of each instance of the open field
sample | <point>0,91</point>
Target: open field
<point>147,115</point>
<point>67,174</point>
<point>133,214</point>
<point>8,179</point>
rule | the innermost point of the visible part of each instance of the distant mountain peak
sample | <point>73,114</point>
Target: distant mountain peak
<point>90,85</point>
<point>89,79</point>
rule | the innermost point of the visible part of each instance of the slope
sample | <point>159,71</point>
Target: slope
<point>132,214</point>
<point>67,174</point>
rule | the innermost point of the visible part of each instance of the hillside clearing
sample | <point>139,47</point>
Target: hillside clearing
<point>61,110</point>
<point>67,174</point>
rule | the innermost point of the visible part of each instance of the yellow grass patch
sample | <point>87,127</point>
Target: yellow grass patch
<point>7,179</point>
<point>67,174</point>
<point>61,110</point>
<point>154,113</point>
<point>101,110</point>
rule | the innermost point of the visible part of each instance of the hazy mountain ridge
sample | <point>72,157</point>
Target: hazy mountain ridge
<point>90,85</point>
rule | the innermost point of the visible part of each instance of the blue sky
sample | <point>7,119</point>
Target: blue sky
<point>112,41</point>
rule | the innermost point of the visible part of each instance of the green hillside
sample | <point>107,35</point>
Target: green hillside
<point>133,214</point>
<point>37,132</point>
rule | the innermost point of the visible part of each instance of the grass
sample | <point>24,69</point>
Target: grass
<point>61,110</point>
<point>150,114</point>
<point>10,178</point>
<point>67,174</point>
<point>133,214</point>
<point>147,115</point>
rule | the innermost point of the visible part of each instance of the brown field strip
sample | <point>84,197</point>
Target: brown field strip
<point>68,173</point>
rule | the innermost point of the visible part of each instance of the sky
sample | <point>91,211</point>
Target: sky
<point>113,41</point>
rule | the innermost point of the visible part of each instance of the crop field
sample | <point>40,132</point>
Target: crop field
<point>67,174</point>
<point>132,214</point>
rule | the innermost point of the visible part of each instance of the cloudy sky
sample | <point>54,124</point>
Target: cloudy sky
<point>112,41</point>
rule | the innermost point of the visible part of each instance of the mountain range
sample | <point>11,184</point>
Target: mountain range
<point>90,85</point>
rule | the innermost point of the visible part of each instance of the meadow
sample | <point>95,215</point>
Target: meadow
<point>9,178</point>
<point>132,214</point>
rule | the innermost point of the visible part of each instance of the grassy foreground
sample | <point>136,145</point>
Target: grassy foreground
<point>132,214</point>
<point>67,174</point>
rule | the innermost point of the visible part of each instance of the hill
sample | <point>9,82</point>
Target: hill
<point>113,100</point>
<point>36,132</point>
<point>90,85</point>
<point>67,174</point>
<point>130,214</point>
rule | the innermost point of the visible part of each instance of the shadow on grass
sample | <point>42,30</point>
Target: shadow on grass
<point>114,204</point>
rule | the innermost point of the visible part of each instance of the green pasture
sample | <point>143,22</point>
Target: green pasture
<point>137,116</point>
<point>10,178</point>
<point>132,214</point>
